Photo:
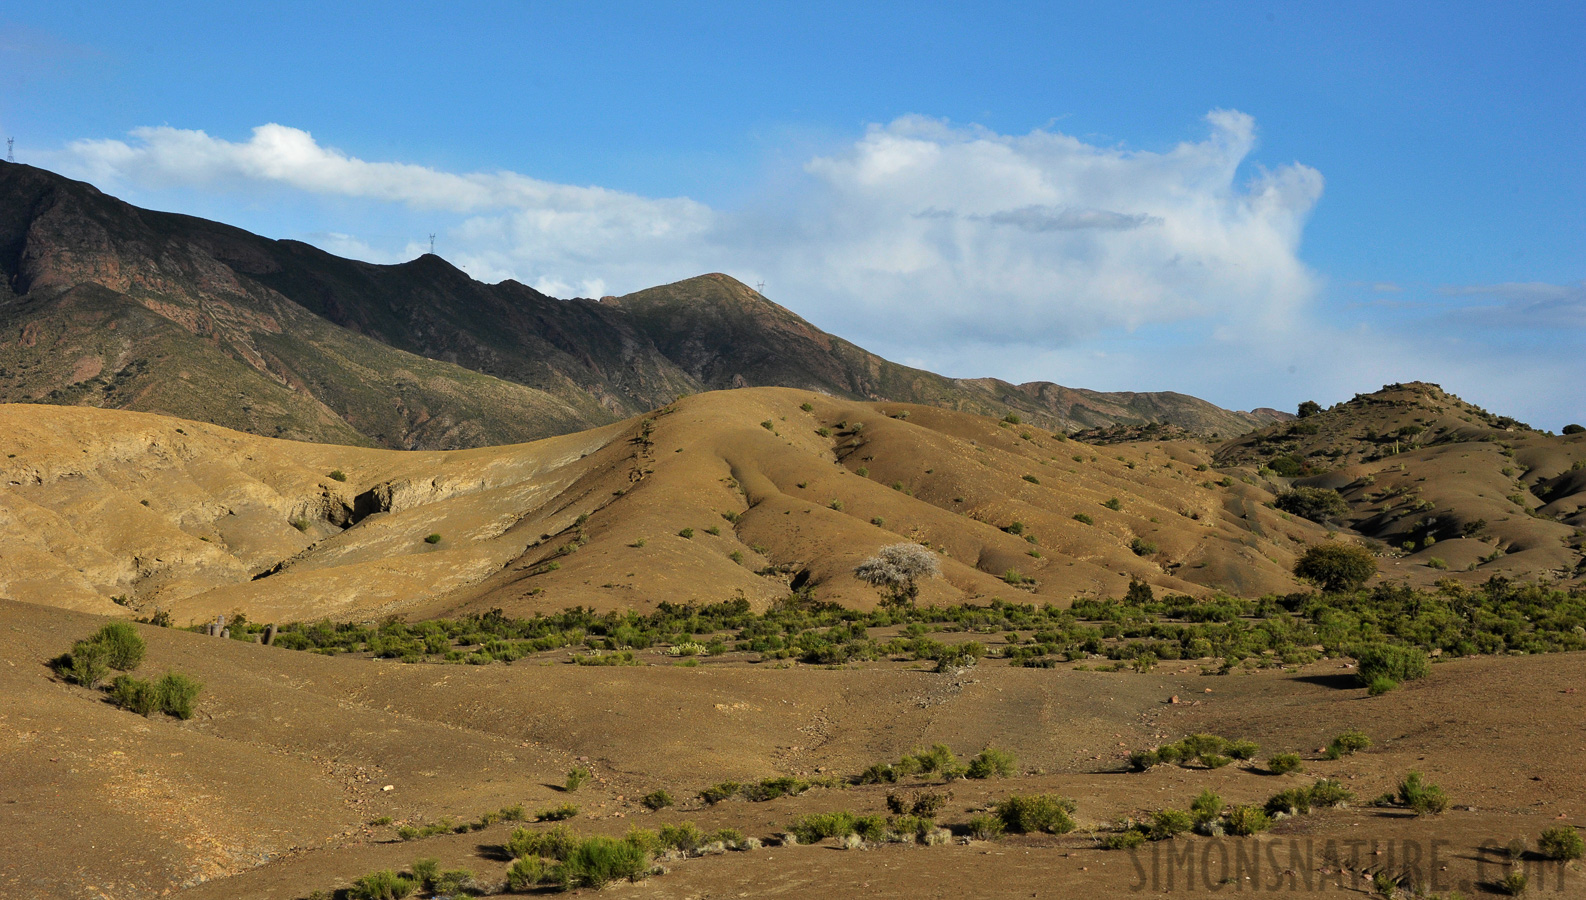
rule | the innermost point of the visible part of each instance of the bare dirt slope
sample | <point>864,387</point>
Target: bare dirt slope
<point>268,790</point>
<point>198,520</point>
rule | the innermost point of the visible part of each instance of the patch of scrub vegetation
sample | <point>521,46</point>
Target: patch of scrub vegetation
<point>118,646</point>
<point>1452,620</point>
<point>559,858</point>
<point>1207,750</point>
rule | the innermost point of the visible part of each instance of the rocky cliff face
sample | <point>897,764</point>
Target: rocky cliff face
<point>105,304</point>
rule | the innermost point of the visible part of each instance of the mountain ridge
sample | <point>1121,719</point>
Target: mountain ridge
<point>106,304</point>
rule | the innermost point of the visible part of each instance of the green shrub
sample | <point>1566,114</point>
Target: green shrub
<point>991,762</point>
<point>432,538</point>
<point>599,861</point>
<point>1381,685</point>
<point>1329,792</point>
<point>686,533</point>
<point>134,694</point>
<point>1128,839</point>
<point>85,664</point>
<point>938,759</point>
<point>1242,749</point>
<point>554,843</point>
<point>644,839</point>
<point>1031,479</point>
<point>1207,806</point>
<point>985,827</point>
<point>557,813</point>
<point>806,407</point>
<point>1284,763</point>
<point>1142,547</point>
<point>1351,741</point>
<point>1562,843</point>
<point>719,792</point>
<point>818,826</point>
<point>657,800</point>
<point>528,872</point>
<point>1293,802</point>
<point>123,645</point>
<point>1247,820</point>
<point>1316,504</point>
<point>837,505</point>
<point>338,475</point>
<point>1392,661</point>
<point>431,880</point>
<point>1336,567</point>
<point>683,836</point>
<point>1167,823</point>
<point>382,885</point>
<point>1114,504</point>
<point>1083,518</point>
<point>1038,813</point>
<point>577,777</point>
<point>1514,883</point>
<point>772,788</point>
<point>177,693</point>
<point>1415,793</point>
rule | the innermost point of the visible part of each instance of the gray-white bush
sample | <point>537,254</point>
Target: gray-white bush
<point>897,569</point>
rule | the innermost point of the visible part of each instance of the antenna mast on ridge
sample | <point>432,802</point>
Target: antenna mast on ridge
<point>432,245</point>
<point>760,289</point>
<point>11,149</point>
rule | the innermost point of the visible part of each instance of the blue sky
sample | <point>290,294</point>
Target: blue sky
<point>1254,203</point>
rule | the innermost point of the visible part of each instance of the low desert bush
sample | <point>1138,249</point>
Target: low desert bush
<point>1128,839</point>
<point>1084,519</point>
<point>1390,661</point>
<point>657,800</point>
<point>598,861</point>
<point>1037,813</point>
<point>1207,807</point>
<point>1284,763</point>
<point>1168,823</point>
<point>985,827</point>
<point>383,885</point>
<point>432,538</point>
<point>1351,741</point>
<point>527,873</point>
<point>135,694</point>
<point>1247,820</point>
<point>684,837</point>
<point>557,813</point>
<point>1329,792</point>
<point>991,763</point>
<point>577,777</point>
<point>1290,802</point>
<point>1421,796</point>
<point>772,788</point>
<point>554,843</point>
<point>1562,843</point>
<point>719,792</point>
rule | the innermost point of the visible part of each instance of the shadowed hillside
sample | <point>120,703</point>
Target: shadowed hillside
<point>1444,485</point>
<point>104,304</point>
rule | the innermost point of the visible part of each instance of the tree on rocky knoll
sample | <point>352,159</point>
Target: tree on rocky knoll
<point>897,569</point>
